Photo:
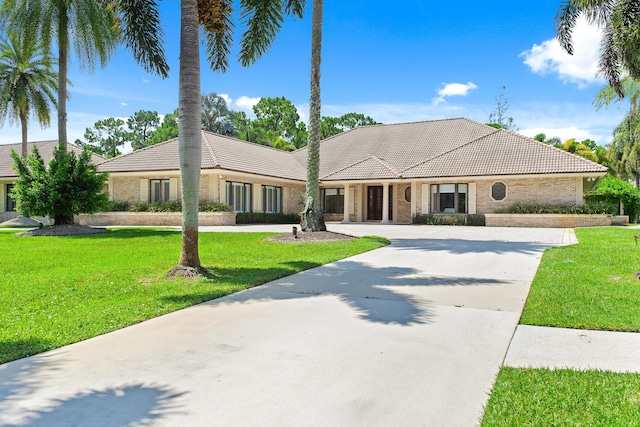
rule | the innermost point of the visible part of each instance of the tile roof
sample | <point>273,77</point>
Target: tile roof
<point>502,153</point>
<point>368,168</point>
<point>45,148</point>
<point>438,148</point>
<point>218,152</point>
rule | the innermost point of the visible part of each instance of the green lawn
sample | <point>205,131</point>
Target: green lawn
<point>586,286</point>
<point>542,397</point>
<point>590,285</point>
<point>59,290</point>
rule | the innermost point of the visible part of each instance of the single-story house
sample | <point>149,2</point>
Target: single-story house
<point>384,173</point>
<point>8,176</point>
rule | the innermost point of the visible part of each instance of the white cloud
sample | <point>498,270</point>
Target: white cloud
<point>246,103</point>
<point>123,104</point>
<point>452,89</point>
<point>226,98</point>
<point>145,81</point>
<point>581,68</point>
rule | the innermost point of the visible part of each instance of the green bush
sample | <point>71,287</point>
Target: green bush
<point>215,207</point>
<point>449,219</point>
<point>266,218</point>
<point>591,208</point>
<point>613,190</point>
<point>69,185</point>
<point>139,207</point>
<point>118,206</point>
<point>165,207</point>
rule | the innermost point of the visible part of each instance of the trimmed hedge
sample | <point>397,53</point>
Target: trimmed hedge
<point>123,206</point>
<point>266,218</point>
<point>591,208</point>
<point>449,219</point>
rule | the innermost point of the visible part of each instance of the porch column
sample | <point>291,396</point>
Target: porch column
<point>385,203</point>
<point>347,203</point>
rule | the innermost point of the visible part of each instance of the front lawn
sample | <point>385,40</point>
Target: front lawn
<point>59,290</point>
<point>590,285</point>
<point>543,397</point>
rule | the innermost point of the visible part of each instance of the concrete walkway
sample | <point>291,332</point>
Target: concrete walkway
<point>410,334</point>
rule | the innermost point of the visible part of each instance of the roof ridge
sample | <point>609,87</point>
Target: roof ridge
<point>370,157</point>
<point>449,151</point>
<point>210,150</point>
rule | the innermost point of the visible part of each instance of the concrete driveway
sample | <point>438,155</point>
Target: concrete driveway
<point>412,334</point>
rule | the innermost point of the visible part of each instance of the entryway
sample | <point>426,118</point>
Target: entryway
<point>374,203</point>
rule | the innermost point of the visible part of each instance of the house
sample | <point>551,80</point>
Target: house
<point>8,176</point>
<point>384,173</point>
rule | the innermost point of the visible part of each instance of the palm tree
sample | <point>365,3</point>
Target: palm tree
<point>620,45</point>
<point>263,21</point>
<point>27,83</point>
<point>312,217</point>
<point>93,29</point>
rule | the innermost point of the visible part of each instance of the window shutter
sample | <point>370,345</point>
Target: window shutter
<point>173,189</point>
<point>472,198</point>
<point>144,190</point>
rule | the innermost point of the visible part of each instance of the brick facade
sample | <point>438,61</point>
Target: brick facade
<point>540,191</point>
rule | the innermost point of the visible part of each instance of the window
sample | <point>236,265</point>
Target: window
<point>407,194</point>
<point>10,204</point>
<point>160,190</point>
<point>498,191</point>
<point>239,196</point>
<point>449,198</point>
<point>332,200</point>
<point>271,199</point>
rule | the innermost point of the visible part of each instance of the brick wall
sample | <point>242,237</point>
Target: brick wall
<point>125,189</point>
<point>541,191</point>
<point>546,220</point>
<point>154,218</point>
<point>403,213</point>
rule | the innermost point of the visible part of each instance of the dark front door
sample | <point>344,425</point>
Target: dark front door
<point>374,203</point>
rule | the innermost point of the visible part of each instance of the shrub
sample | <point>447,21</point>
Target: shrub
<point>592,207</point>
<point>165,207</point>
<point>139,207</point>
<point>449,219</point>
<point>614,190</point>
<point>68,186</point>
<point>266,218</point>
<point>118,206</point>
<point>215,207</point>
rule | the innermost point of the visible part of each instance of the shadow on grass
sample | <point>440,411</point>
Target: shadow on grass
<point>10,348</point>
<point>126,233</point>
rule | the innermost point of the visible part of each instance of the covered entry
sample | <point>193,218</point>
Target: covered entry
<point>375,202</point>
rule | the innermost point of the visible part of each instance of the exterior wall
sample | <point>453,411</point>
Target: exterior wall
<point>154,218</point>
<point>402,211</point>
<point>212,189</point>
<point>547,220</point>
<point>542,191</point>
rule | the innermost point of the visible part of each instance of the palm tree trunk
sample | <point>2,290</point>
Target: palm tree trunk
<point>312,217</point>
<point>63,54</point>
<point>23,123</point>
<point>190,136</point>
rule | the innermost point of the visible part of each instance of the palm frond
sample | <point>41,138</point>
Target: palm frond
<point>564,22</point>
<point>295,7</point>
<point>609,65</point>
<point>263,19</point>
<point>142,33</point>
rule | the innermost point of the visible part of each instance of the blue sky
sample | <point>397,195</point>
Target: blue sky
<point>423,60</point>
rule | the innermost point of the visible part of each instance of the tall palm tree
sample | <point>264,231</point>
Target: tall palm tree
<point>27,83</point>
<point>312,217</point>
<point>93,29</point>
<point>620,45</point>
<point>263,20</point>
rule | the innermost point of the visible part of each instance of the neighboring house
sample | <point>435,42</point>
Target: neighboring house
<point>382,173</point>
<point>8,176</point>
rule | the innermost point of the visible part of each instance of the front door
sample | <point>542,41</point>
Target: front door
<point>374,203</point>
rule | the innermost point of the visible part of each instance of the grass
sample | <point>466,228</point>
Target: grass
<point>59,290</point>
<point>543,397</point>
<point>590,285</point>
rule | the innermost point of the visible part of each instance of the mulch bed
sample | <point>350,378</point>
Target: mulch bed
<point>64,230</point>
<point>304,237</point>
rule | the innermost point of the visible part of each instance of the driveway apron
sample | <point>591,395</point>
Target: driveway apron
<point>411,334</point>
